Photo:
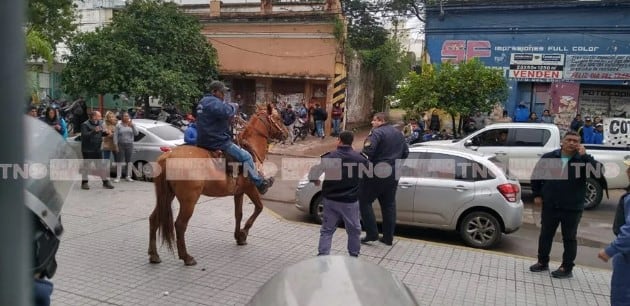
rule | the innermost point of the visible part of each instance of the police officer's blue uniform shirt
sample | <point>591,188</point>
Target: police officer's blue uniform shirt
<point>385,144</point>
<point>213,127</point>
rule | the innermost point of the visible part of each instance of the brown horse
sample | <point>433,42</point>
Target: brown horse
<point>262,126</point>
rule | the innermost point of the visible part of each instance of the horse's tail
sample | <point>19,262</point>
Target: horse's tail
<point>164,195</point>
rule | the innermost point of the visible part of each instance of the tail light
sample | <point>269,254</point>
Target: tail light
<point>165,149</point>
<point>509,191</point>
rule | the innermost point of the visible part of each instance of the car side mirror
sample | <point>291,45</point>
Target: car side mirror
<point>468,143</point>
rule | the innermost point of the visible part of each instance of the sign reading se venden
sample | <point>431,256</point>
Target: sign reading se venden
<point>536,66</point>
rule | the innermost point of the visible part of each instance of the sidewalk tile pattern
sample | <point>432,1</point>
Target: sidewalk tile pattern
<point>103,260</point>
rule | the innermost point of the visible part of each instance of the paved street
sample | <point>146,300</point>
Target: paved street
<point>103,260</point>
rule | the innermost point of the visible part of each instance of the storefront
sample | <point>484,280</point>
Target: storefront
<point>564,56</point>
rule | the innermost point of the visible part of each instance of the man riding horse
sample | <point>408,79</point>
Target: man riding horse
<point>214,133</point>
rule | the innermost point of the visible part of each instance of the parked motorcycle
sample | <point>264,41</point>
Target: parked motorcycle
<point>300,129</point>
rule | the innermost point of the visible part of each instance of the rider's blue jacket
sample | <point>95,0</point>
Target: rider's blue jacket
<point>213,123</point>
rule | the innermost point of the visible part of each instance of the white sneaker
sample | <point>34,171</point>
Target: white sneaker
<point>116,180</point>
<point>129,179</point>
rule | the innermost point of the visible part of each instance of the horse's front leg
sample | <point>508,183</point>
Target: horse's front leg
<point>253,195</point>
<point>240,236</point>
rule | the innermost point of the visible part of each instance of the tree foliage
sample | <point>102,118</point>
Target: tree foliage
<point>38,47</point>
<point>457,89</point>
<point>151,48</point>
<point>53,20</point>
<point>380,52</point>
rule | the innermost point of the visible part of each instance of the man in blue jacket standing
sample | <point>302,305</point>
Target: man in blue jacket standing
<point>340,193</point>
<point>619,250</point>
<point>214,133</point>
<point>559,185</point>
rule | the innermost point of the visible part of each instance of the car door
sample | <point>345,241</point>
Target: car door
<point>443,188</point>
<point>525,147</point>
<point>493,141</point>
<point>406,190</point>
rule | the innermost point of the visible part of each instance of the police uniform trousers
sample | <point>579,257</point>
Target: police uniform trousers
<point>620,283</point>
<point>383,189</point>
<point>334,211</point>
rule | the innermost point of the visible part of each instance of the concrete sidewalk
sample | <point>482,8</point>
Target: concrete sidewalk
<point>103,260</point>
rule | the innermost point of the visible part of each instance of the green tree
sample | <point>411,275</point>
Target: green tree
<point>457,89</point>
<point>151,48</point>
<point>380,52</point>
<point>54,20</point>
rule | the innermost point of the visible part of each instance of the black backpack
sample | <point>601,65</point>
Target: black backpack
<point>620,216</point>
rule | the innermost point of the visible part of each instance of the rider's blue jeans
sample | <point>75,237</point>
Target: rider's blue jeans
<point>248,163</point>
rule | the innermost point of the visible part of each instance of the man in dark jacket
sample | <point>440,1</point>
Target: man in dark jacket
<point>214,132</point>
<point>92,132</point>
<point>319,116</point>
<point>384,146</point>
<point>340,193</point>
<point>559,186</point>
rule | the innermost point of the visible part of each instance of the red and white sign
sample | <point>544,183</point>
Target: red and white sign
<point>536,74</point>
<point>536,66</point>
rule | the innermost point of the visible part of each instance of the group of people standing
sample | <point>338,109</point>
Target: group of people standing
<point>348,193</point>
<point>100,140</point>
<point>312,117</point>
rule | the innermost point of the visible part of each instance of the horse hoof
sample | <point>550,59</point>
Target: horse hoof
<point>154,259</point>
<point>241,242</point>
<point>190,262</point>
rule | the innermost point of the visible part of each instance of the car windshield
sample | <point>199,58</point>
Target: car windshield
<point>167,132</point>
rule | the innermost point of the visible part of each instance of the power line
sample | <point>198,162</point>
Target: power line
<point>267,54</point>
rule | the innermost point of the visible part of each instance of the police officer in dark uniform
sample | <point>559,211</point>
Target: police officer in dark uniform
<point>383,147</point>
<point>44,198</point>
<point>340,193</point>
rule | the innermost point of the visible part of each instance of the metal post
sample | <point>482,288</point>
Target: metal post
<point>16,280</point>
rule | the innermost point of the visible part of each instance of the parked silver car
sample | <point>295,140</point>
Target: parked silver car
<point>154,138</point>
<point>446,189</point>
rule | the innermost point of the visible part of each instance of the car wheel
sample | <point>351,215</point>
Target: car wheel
<point>317,209</point>
<point>594,194</point>
<point>480,229</point>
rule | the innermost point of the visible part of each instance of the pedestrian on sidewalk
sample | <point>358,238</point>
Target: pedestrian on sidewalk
<point>559,186</point>
<point>619,250</point>
<point>384,146</point>
<point>124,136</point>
<point>288,118</point>
<point>319,116</point>
<point>92,132</point>
<point>337,116</point>
<point>340,193</point>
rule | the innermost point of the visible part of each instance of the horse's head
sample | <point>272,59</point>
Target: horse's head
<point>277,129</point>
<point>272,121</point>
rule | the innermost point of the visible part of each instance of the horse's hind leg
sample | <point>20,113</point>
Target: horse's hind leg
<point>186,208</point>
<point>153,226</point>
<point>239,235</point>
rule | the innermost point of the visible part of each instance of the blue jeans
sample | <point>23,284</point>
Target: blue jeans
<point>319,127</point>
<point>336,126</point>
<point>248,163</point>
<point>619,290</point>
<point>42,290</point>
<point>333,212</point>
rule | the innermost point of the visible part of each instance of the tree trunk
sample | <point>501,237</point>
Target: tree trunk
<point>454,126</point>
<point>145,105</point>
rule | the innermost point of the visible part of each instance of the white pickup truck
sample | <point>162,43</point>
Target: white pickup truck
<point>526,142</point>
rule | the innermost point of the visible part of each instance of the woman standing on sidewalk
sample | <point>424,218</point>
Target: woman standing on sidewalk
<point>109,125</point>
<point>123,140</point>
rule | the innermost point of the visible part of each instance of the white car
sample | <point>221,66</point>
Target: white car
<point>447,189</point>
<point>154,138</point>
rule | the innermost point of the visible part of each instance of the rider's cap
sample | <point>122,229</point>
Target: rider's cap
<point>218,85</point>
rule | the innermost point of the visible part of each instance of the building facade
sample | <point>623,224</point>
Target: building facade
<point>566,56</point>
<point>284,52</point>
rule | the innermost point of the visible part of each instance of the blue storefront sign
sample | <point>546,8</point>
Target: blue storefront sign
<point>536,44</point>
